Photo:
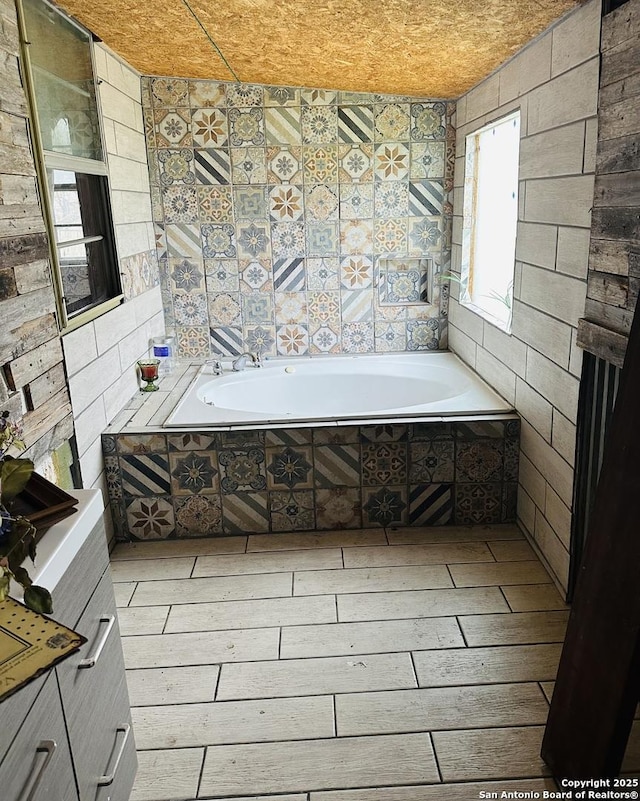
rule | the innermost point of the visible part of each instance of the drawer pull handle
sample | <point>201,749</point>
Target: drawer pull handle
<point>109,777</point>
<point>46,747</point>
<point>91,660</point>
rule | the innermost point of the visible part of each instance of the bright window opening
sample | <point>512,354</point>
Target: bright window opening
<point>490,219</point>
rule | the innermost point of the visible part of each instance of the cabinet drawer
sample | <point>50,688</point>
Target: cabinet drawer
<point>38,763</point>
<point>94,696</point>
<point>72,592</point>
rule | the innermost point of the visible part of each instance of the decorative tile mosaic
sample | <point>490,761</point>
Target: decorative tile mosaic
<point>190,308</point>
<point>209,127</point>
<point>286,202</point>
<point>292,511</point>
<point>292,340</point>
<point>431,505</point>
<point>281,96</point>
<point>427,121</point>
<point>289,275</point>
<point>218,240</point>
<point>169,92</point>
<point>391,122</point>
<point>260,339</point>
<point>288,239</point>
<point>290,467</point>
<point>186,275</point>
<point>215,204</point>
<point>356,200</point>
<point>242,469</point>
<point>212,166</point>
<point>180,204</point>
<point>339,508</point>
<point>198,516</point>
<point>176,167</point>
<point>253,240</point>
<point>281,189</point>
<point>248,165</point>
<point>427,160</point>
<point>324,339</point>
<point>285,165</point>
<point>173,127</point>
<point>282,126</point>
<point>384,507</point>
<point>226,340</point>
<point>355,123</point>
<point>221,275</point>
<point>382,474</point>
<point>207,94</point>
<point>193,341</point>
<point>322,238</point>
<point>225,309</point>
<point>246,126</point>
<point>322,273</point>
<point>320,164</point>
<point>256,274</point>
<point>357,337</point>
<point>391,161</point>
<point>356,163</point>
<point>245,512</point>
<point>321,201</point>
<point>244,95</point>
<point>150,518</point>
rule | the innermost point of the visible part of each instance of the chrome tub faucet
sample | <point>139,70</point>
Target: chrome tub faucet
<point>241,362</point>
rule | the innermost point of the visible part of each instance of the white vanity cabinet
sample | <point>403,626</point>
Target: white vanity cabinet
<point>81,706</point>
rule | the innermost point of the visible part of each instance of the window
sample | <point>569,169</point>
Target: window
<point>74,174</point>
<point>490,219</point>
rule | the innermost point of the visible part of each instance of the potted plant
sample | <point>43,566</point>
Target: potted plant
<point>17,533</point>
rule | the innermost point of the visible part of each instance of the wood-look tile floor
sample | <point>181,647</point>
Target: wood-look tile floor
<point>399,665</point>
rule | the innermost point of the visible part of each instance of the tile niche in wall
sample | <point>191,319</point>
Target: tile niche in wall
<point>275,208</point>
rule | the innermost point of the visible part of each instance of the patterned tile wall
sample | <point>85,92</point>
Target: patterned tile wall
<point>273,206</point>
<point>192,484</point>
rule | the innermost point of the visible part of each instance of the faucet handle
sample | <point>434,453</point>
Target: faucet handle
<point>257,360</point>
<point>215,364</point>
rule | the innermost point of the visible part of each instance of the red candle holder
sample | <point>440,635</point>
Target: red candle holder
<point>149,373</point>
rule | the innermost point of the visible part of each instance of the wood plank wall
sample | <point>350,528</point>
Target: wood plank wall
<point>32,377</point>
<point>614,257</point>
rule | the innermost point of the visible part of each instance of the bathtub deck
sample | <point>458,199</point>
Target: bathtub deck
<point>321,667</point>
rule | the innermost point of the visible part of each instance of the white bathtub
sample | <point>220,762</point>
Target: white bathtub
<point>337,388</point>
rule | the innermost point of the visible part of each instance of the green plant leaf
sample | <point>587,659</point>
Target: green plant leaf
<point>22,577</point>
<point>14,474</point>
<point>38,599</point>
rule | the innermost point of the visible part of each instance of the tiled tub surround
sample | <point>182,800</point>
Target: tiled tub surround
<point>274,207</point>
<point>184,484</point>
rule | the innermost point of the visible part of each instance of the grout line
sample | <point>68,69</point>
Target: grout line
<point>453,581</point>
<point>413,667</point>
<point>279,641</point>
<point>335,693</point>
<point>335,716</point>
<point>193,567</point>
<point>466,644</point>
<point>511,609</point>
<point>215,690</point>
<point>201,771</point>
<point>342,557</point>
<point>335,599</point>
<point>166,619</point>
<point>435,755</point>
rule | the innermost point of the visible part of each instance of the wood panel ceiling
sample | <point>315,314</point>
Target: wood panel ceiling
<point>426,48</point>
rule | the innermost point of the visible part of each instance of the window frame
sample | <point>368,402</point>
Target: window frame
<point>46,160</point>
<point>470,219</point>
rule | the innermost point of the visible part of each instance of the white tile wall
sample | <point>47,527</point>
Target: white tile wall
<point>100,356</point>
<point>555,82</point>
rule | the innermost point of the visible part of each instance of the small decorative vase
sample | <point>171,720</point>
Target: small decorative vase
<point>149,373</point>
